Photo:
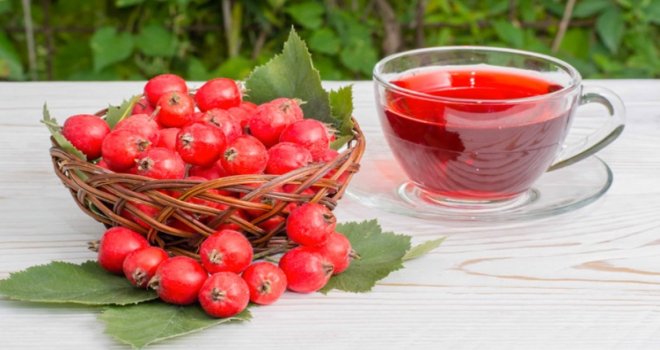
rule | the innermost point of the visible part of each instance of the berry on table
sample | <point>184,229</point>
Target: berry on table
<point>224,294</point>
<point>178,280</point>
<point>140,265</point>
<point>337,249</point>
<point>115,245</point>
<point>266,282</point>
<point>226,250</point>
<point>86,133</point>
<point>306,270</point>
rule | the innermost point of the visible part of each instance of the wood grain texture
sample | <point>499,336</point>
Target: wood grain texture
<point>588,279</point>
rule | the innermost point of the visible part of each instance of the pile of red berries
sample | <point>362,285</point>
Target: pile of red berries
<point>227,278</point>
<point>212,133</point>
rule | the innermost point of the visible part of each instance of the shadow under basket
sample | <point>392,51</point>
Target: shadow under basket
<point>178,215</point>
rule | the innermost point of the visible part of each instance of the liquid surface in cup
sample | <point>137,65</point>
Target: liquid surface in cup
<point>469,150</point>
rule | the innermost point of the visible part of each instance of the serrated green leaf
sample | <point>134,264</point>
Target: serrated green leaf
<point>55,131</point>
<point>423,249</point>
<point>341,105</point>
<point>610,27</point>
<point>379,252</point>
<point>325,41</point>
<point>116,114</point>
<point>509,33</point>
<point>155,40</point>
<point>108,47</point>
<point>308,14</point>
<point>291,74</point>
<point>340,141</point>
<point>148,323</point>
<point>62,282</point>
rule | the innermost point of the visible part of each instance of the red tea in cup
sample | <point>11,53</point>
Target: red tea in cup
<point>453,141</point>
<point>473,126</point>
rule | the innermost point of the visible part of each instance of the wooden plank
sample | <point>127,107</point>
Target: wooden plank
<point>583,280</point>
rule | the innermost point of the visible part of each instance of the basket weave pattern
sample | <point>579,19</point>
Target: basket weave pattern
<point>105,196</point>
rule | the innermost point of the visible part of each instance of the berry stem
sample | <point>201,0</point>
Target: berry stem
<point>271,251</point>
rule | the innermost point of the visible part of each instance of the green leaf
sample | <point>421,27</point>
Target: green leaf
<point>359,56</point>
<point>55,131</point>
<point>379,253</point>
<point>653,12</point>
<point>62,282</point>
<point>116,114</point>
<point>155,40</point>
<point>10,62</point>
<point>127,3</point>
<point>110,47</point>
<point>610,28</point>
<point>291,74</point>
<point>309,14</point>
<point>588,8</point>
<point>148,323</point>
<point>341,105</point>
<point>423,249</point>
<point>509,33</point>
<point>325,41</point>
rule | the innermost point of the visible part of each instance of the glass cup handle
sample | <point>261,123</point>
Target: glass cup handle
<point>600,138</point>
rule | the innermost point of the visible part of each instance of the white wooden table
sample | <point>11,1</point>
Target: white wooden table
<point>589,279</point>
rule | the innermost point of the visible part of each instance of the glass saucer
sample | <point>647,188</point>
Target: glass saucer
<point>382,184</point>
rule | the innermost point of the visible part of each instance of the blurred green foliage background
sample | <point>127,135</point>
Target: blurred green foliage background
<point>199,39</point>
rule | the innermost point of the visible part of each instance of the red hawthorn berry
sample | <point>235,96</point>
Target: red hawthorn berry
<point>141,124</point>
<point>178,280</point>
<point>200,144</point>
<point>310,224</point>
<point>121,148</point>
<point>287,156</point>
<point>161,84</point>
<point>161,163</point>
<point>142,106</point>
<point>176,109</point>
<point>140,265</point>
<point>115,245</point>
<point>271,118</point>
<point>86,132</point>
<point>224,294</point>
<point>244,155</point>
<point>266,282</point>
<point>309,133</point>
<point>218,93</point>
<point>306,270</point>
<point>226,250</point>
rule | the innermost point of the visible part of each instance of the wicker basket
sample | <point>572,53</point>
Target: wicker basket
<point>180,226</point>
